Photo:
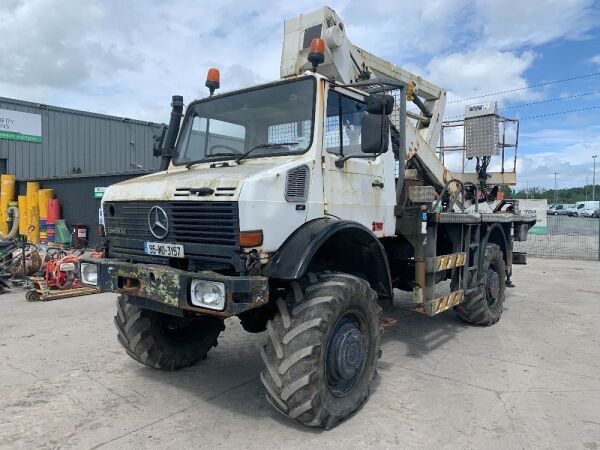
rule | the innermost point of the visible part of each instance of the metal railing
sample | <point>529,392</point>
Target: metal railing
<point>566,238</point>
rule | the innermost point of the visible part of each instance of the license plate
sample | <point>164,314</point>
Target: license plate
<point>162,249</point>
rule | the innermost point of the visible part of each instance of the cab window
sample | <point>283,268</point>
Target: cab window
<point>343,124</point>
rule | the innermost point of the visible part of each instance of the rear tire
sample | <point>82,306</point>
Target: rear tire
<point>163,341</point>
<point>485,307</point>
<point>322,349</point>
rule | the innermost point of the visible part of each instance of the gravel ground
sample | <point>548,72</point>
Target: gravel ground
<point>531,381</point>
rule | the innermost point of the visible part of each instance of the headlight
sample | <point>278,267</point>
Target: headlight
<point>208,294</point>
<point>89,273</point>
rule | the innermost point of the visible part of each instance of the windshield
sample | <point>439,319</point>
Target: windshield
<point>228,126</point>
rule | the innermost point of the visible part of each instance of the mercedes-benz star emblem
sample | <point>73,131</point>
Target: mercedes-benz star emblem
<point>158,222</point>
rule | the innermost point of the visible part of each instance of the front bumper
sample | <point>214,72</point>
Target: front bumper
<point>161,286</point>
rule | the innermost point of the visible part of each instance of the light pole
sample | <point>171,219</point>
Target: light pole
<point>594,179</point>
<point>587,182</point>
<point>556,189</point>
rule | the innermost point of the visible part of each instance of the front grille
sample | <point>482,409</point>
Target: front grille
<point>208,230</point>
<point>213,223</point>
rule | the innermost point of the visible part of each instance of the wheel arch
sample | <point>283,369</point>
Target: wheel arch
<point>341,245</point>
<point>496,235</point>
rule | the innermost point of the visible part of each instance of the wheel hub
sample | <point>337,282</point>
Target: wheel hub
<point>346,355</point>
<point>493,286</point>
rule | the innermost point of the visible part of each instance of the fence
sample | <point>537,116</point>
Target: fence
<point>566,238</point>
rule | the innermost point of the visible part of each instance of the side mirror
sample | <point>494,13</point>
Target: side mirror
<point>375,132</point>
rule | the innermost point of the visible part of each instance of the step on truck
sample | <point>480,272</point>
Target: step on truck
<point>298,206</point>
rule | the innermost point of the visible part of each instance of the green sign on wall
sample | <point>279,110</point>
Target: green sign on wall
<point>99,192</point>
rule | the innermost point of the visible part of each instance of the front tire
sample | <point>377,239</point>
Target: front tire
<point>485,307</point>
<point>322,349</point>
<point>163,341</point>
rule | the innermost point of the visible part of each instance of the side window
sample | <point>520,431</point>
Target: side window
<point>343,124</point>
<point>332,123</point>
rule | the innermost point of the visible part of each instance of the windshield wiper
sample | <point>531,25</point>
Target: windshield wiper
<point>279,145</point>
<point>208,158</point>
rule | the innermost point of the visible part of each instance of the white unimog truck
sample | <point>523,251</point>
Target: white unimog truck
<point>298,206</point>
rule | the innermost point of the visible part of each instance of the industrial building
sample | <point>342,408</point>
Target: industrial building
<point>75,153</point>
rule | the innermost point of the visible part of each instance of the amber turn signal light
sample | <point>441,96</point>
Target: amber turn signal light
<point>316,52</point>
<point>251,238</point>
<point>213,79</point>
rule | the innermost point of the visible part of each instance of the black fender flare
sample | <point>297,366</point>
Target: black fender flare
<point>496,235</point>
<point>293,258</point>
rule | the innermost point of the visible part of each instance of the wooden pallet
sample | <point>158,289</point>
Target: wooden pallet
<point>42,293</point>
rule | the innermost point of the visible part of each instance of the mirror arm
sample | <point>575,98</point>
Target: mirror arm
<point>340,161</point>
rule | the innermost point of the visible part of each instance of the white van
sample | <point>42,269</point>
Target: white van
<point>585,209</point>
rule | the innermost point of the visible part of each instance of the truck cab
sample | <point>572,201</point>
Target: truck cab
<point>250,168</point>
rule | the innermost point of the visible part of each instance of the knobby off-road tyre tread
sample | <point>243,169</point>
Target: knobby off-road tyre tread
<point>140,334</point>
<point>294,353</point>
<point>475,309</point>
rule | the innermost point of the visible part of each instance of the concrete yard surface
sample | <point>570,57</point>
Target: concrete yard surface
<point>530,381</point>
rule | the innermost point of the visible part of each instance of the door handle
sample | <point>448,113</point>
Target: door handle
<point>377,184</point>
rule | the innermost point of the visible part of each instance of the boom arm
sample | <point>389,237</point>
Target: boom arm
<point>347,63</point>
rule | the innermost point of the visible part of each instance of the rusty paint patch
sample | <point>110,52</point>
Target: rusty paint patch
<point>156,283</point>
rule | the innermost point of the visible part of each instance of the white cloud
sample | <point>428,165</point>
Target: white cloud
<point>480,72</point>
<point>128,58</point>
<point>402,30</point>
<point>569,152</point>
<point>595,59</point>
<point>512,23</point>
<point>58,49</point>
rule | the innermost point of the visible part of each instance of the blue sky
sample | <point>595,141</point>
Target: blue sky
<point>128,58</point>
<point>571,139</point>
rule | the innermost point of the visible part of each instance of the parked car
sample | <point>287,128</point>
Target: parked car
<point>556,210</point>
<point>596,214</point>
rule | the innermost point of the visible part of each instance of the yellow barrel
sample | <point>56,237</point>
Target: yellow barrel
<point>7,193</point>
<point>23,215</point>
<point>33,212</point>
<point>44,196</point>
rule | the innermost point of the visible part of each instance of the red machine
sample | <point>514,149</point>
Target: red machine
<point>62,273</point>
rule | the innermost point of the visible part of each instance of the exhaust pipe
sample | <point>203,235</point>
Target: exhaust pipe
<point>168,147</point>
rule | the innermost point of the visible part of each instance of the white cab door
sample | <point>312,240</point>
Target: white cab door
<point>356,191</point>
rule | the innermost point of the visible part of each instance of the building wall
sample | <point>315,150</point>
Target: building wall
<point>78,142</point>
<point>78,152</point>
<point>76,195</point>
